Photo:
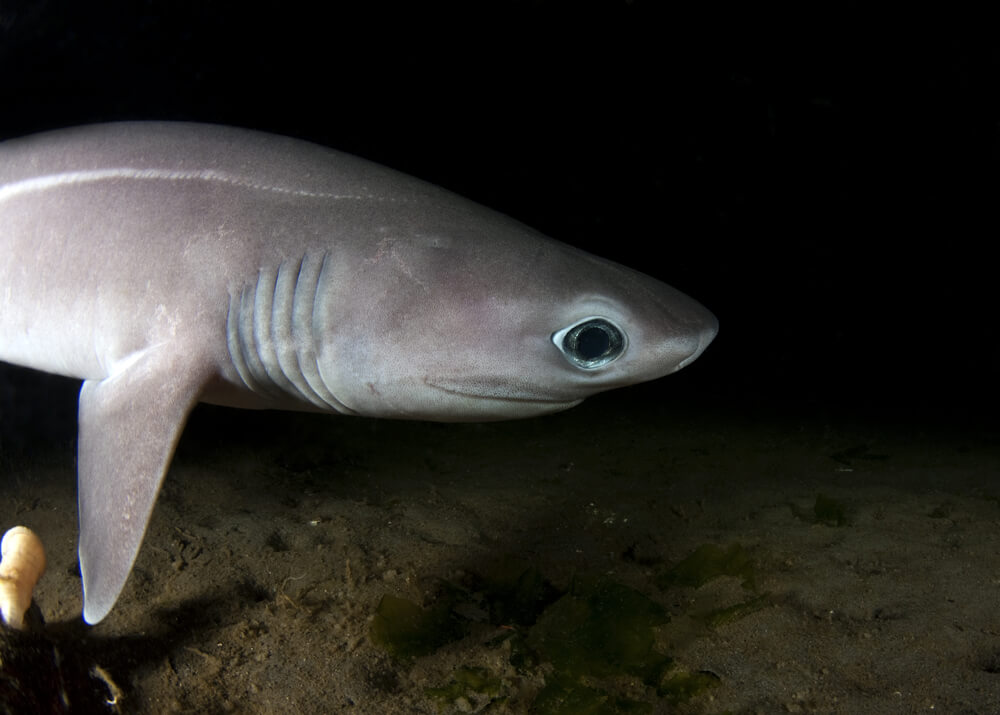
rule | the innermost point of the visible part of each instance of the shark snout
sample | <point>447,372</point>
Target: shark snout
<point>701,339</point>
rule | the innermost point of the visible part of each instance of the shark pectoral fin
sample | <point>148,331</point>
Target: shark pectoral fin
<point>129,426</point>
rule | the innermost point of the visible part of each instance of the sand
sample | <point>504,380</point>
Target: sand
<point>277,537</point>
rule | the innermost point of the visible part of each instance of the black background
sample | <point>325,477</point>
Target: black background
<point>824,182</point>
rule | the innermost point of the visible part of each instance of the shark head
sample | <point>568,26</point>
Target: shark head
<point>494,321</point>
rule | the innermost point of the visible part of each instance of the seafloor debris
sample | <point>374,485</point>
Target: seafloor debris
<point>22,565</point>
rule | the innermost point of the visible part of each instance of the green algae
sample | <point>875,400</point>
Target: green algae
<point>826,510</point>
<point>681,687</point>
<point>831,512</point>
<point>595,644</point>
<point>730,614</point>
<point>601,628</point>
<point>405,630</point>
<point>568,696</point>
<point>708,562</point>
<point>467,684</point>
<point>516,592</point>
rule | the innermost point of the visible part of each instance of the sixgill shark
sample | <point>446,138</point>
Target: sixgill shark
<point>165,264</point>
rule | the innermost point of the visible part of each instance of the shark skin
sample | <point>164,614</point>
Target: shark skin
<point>165,264</point>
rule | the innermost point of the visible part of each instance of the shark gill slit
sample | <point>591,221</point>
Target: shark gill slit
<point>305,288</point>
<point>233,339</point>
<point>265,298</point>
<point>255,377</point>
<point>308,315</point>
<point>283,329</point>
<point>296,350</point>
<point>272,331</point>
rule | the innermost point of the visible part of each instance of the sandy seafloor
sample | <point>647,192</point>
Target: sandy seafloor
<point>277,536</point>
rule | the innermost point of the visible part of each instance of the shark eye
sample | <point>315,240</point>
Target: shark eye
<point>591,343</point>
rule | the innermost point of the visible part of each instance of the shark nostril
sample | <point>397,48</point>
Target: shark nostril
<point>705,337</point>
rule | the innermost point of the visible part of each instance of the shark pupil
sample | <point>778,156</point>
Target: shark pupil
<point>592,343</point>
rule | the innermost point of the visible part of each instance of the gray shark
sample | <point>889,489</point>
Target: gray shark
<point>165,264</point>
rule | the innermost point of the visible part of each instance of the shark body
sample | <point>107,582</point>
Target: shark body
<point>167,263</point>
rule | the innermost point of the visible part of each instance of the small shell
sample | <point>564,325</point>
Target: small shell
<point>22,565</point>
